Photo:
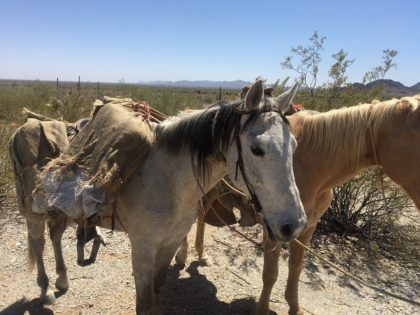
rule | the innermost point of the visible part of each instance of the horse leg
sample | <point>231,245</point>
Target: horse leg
<point>182,253</point>
<point>57,226</point>
<point>84,235</point>
<point>98,239</point>
<point>295,268</point>
<point>163,260</point>
<point>143,259</point>
<point>81,241</point>
<point>270,273</point>
<point>36,243</point>
<point>199,239</point>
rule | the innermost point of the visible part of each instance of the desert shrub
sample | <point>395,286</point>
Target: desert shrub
<point>367,206</point>
<point>6,174</point>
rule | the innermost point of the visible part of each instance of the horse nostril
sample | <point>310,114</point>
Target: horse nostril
<point>287,230</point>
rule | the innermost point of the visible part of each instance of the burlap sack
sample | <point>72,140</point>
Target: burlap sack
<point>100,160</point>
<point>113,144</point>
<point>32,146</point>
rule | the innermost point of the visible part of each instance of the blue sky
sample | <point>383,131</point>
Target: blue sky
<point>200,40</point>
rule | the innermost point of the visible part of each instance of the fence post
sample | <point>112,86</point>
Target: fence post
<point>78,89</point>
<point>56,92</point>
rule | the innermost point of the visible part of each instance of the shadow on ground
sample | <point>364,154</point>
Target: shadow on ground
<point>360,258</point>
<point>25,306</point>
<point>197,295</point>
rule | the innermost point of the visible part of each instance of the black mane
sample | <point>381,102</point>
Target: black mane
<point>204,133</point>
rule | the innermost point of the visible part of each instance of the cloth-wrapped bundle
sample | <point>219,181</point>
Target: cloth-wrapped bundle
<point>101,158</point>
<point>31,147</point>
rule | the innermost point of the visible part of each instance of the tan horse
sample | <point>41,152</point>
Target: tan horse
<point>343,143</point>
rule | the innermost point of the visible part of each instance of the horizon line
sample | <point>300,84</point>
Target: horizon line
<point>150,82</point>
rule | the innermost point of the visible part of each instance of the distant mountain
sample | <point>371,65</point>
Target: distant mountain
<point>390,87</point>
<point>238,84</point>
<point>415,87</point>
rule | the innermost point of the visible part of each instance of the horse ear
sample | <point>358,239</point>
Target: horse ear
<point>268,92</point>
<point>284,100</point>
<point>245,90</point>
<point>254,96</point>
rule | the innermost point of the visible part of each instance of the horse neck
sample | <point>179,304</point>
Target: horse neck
<point>388,139</point>
<point>182,179</point>
<point>320,170</point>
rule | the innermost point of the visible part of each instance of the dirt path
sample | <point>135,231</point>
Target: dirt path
<point>229,286</point>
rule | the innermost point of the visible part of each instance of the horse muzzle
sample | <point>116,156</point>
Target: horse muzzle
<point>286,231</point>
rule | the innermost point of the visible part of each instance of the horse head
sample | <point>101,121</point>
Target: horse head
<point>261,162</point>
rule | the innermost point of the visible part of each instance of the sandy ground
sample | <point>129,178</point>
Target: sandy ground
<point>229,286</point>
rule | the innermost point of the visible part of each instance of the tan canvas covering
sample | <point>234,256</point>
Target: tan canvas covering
<point>31,147</point>
<point>100,159</point>
<point>112,144</point>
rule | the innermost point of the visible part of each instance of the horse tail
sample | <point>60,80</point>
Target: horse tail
<point>18,168</point>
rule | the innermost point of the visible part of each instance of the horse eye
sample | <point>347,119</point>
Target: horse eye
<point>257,151</point>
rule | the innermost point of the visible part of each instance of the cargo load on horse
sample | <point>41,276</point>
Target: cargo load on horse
<point>99,160</point>
<point>31,147</point>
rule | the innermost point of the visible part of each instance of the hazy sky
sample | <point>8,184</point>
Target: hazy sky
<point>200,40</point>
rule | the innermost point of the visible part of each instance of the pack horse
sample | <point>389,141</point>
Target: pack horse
<point>247,140</point>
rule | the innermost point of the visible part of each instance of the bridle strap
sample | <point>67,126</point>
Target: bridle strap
<point>240,166</point>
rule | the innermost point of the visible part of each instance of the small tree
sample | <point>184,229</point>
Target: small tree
<point>379,72</point>
<point>279,86</point>
<point>308,65</point>
<point>337,73</point>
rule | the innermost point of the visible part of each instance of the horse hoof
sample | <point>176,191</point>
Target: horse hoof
<point>62,285</point>
<point>180,262</point>
<point>48,299</point>
<point>85,262</point>
<point>299,311</point>
<point>205,261</point>
<point>91,260</point>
